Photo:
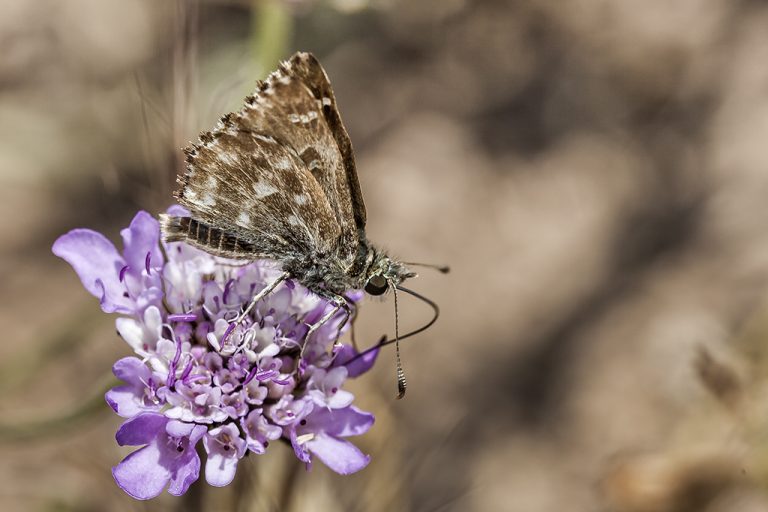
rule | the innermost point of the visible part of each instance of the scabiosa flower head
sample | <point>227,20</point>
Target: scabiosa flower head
<point>199,375</point>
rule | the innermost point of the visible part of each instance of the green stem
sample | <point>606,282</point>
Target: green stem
<point>272,30</point>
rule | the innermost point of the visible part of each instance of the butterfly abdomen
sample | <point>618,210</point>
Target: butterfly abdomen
<point>204,236</point>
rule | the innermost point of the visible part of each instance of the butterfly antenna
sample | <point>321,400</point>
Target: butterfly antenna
<point>384,341</point>
<point>430,303</point>
<point>401,383</point>
<point>443,269</point>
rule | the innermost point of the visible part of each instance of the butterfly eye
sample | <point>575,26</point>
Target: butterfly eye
<point>376,285</point>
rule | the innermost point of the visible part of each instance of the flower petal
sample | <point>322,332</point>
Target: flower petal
<point>341,456</point>
<point>142,237</point>
<point>340,399</point>
<point>186,473</point>
<point>350,421</point>
<point>299,449</point>
<point>182,429</point>
<point>97,264</point>
<point>131,370</point>
<point>177,211</point>
<point>220,470</point>
<point>357,366</point>
<point>131,332</point>
<point>122,400</point>
<point>141,430</point>
<point>140,473</point>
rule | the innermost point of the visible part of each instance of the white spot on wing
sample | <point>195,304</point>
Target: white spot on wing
<point>227,158</point>
<point>283,164</point>
<point>263,190</point>
<point>244,219</point>
<point>212,183</point>
<point>300,199</point>
<point>326,101</point>
<point>208,200</point>
<point>264,138</point>
<point>294,118</point>
<point>294,220</point>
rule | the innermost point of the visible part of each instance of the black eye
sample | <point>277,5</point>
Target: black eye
<point>376,285</point>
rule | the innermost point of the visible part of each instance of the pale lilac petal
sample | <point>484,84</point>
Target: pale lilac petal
<point>258,431</point>
<point>350,421</point>
<point>299,449</point>
<point>122,400</point>
<point>131,370</point>
<point>185,474</point>
<point>177,211</point>
<point>142,237</point>
<point>341,456</point>
<point>131,331</point>
<point>335,378</point>
<point>141,430</point>
<point>152,296</point>
<point>340,399</point>
<point>360,365</point>
<point>220,470</point>
<point>179,428</point>
<point>97,264</point>
<point>140,474</point>
<point>197,433</point>
<point>224,447</point>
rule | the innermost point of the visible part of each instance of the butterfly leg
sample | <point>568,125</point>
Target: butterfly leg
<point>352,319</point>
<point>263,293</point>
<point>339,302</point>
<point>347,316</point>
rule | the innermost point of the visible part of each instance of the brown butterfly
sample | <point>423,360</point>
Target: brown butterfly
<point>277,181</point>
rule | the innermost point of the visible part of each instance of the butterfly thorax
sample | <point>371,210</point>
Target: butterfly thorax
<point>336,274</point>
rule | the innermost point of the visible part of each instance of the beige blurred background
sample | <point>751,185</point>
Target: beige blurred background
<point>595,171</point>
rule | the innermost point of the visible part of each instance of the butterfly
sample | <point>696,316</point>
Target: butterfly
<point>277,180</point>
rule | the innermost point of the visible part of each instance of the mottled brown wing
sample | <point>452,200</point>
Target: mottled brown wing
<point>337,174</point>
<point>296,105</point>
<point>291,119</point>
<point>252,196</point>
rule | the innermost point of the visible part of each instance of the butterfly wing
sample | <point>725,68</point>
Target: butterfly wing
<point>328,136</point>
<point>256,192</point>
<point>277,177</point>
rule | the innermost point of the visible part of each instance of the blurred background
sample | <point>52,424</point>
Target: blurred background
<point>595,171</point>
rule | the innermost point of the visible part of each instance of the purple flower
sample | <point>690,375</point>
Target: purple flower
<point>225,448</point>
<point>259,432</point>
<point>140,393</point>
<point>198,375</point>
<point>347,356</point>
<point>322,433</point>
<point>169,456</point>
<point>121,283</point>
<point>325,388</point>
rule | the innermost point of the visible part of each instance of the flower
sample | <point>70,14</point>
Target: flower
<point>169,456</point>
<point>225,448</point>
<point>197,374</point>
<point>322,433</point>
<point>140,392</point>
<point>259,432</point>
<point>123,284</point>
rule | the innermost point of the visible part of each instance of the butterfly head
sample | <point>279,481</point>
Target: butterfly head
<point>384,273</point>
